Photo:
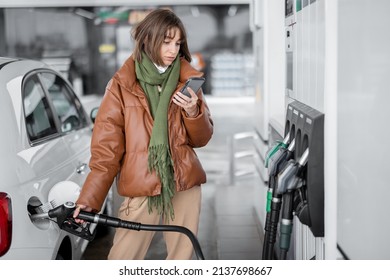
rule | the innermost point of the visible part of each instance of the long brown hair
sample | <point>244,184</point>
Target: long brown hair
<point>150,33</point>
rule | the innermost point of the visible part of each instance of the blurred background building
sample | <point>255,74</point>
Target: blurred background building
<point>79,40</point>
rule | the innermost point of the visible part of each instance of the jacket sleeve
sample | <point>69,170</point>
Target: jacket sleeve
<point>199,129</point>
<point>107,148</point>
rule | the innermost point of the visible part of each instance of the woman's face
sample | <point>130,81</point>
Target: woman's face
<point>170,46</point>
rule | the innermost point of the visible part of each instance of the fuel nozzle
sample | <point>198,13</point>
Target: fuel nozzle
<point>289,178</point>
<point>288,181</point>
<point>276,165</point>
<point>276,148</point>
<point>276,162</point>
<point>281,157</point>
<point>63,215</point>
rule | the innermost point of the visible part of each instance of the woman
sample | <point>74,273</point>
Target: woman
<point>144,134</point>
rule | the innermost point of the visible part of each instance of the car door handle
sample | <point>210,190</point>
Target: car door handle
<point>81,168</point>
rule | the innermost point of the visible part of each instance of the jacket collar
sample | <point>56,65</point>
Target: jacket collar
<point>126,75</point>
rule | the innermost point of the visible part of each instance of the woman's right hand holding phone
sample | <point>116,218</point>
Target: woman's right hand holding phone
<point>189,104</point>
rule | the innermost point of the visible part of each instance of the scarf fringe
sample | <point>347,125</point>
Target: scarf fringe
<point>160,161</point>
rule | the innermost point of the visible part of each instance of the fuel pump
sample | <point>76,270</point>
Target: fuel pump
<point>276,164</point>
<point>302,185</point>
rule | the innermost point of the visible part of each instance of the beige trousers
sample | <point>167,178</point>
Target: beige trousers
<point>133,245</point>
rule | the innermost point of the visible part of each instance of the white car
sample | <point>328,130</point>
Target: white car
<point>45,142</point>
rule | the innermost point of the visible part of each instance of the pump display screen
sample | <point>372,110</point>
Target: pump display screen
<point>289,8</point>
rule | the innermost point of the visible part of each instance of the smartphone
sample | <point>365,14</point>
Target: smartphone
<point>194,83</point>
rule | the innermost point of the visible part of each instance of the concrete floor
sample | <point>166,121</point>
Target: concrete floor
<point>229,229</point>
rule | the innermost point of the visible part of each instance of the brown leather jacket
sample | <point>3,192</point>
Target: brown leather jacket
<point>121,137</point>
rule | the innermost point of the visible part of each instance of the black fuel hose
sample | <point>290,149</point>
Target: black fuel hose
<point>104,220</point>
<point>64,218</point>
<point>286,224</point>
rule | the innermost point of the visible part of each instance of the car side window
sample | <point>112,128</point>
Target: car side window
<point>39,120</point>
<point>67,107</point>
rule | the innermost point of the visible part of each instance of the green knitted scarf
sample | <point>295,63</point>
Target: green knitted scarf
<point>159,157</point>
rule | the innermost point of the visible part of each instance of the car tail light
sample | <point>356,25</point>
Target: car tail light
<point>5,223</point>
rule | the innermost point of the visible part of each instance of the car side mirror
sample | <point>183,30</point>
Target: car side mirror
<point>94,114</point>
